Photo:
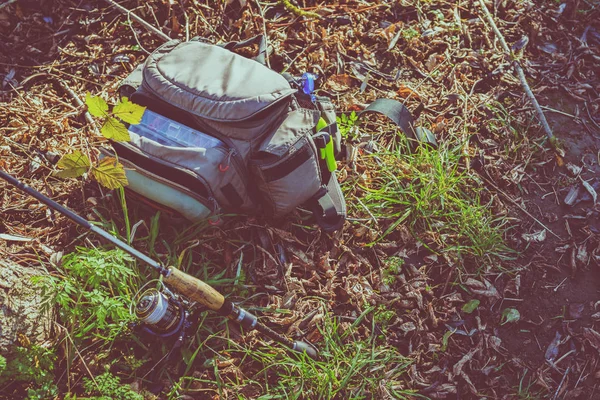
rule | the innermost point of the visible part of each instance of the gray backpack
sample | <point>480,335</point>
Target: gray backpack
<point>223,133</point>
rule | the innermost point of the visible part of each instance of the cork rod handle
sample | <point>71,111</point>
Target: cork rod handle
<point>194,289</point>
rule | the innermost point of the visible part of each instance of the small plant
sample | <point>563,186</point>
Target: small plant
<point>107,386</point>
<point>92,292</point>
<point>393,267</point>
<point>384,316</point>
<point>346,124</point>
<point>410,33</point>
<point>510,315</point>
<point>108,172</point>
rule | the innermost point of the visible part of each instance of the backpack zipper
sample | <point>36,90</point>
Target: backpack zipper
<point>230,153</point>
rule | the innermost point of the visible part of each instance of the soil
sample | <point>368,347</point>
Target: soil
<point>558,292</point>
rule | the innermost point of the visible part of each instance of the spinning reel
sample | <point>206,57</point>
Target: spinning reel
<point>161,313</point>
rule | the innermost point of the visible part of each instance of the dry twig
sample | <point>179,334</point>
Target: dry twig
<point>146,25</point>
<point>520,74</point>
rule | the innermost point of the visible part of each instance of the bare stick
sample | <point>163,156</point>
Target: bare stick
<point>520,74</point>
<point>7,3</point>
<point>146,25</point>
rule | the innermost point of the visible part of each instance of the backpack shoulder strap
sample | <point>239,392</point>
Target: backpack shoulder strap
<point>259,40</point>
<point>402,117</point>
<point>329,206</point>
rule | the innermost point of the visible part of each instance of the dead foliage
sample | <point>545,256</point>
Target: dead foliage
<point>436,56</point>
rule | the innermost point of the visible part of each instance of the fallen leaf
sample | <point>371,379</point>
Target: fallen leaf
<point>457,369</point>
<point>470,306</point>
<point>340,82</point>
<point>593,337</point>
<point>590,190</point>
<point>483,289</point>
<point>552,350</point>
<point>536,237</point>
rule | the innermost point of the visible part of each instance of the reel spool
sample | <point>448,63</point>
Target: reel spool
<point>162,315</point>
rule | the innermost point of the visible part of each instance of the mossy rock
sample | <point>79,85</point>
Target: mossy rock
<point>21,314</point>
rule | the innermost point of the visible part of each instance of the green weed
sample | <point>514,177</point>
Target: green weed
<point>92,291</point>
<point>109,387</point>
<point>346,124</point>
<point>393,265</point>
<point>33,367</point>
<point>526,391</point>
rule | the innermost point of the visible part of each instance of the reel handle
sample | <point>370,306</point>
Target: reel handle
<point>194,289</point>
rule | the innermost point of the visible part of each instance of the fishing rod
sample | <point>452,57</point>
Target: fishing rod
<point>158,310</point>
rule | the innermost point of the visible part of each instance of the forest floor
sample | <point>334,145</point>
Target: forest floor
<point>461,271</point>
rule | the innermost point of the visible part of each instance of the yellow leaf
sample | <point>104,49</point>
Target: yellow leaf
<point>110,173</point>
<point>73,165</point>
<point>129,112</point>
<point>96,105</point>
<point>115,130</point>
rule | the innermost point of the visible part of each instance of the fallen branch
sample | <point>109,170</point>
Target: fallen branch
<point>7,3</point>
<point>298,11</point>
<point>146,25</point>
<point>520,75</point>
<point>507,197</point>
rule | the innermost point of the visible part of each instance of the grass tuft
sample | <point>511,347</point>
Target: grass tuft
<point>430,191</point>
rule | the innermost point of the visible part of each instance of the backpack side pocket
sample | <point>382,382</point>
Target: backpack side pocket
<point>286,167</point>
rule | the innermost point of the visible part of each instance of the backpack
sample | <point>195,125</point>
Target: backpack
<point>223,133</point>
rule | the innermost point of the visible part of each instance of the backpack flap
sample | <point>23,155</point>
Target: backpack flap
<point>229,95</point>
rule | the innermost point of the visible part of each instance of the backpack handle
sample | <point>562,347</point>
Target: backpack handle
<point>258,39</point>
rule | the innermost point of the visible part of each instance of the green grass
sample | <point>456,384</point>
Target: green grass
<point>432,193</point>
<point>350,367</point>
<point>526,389</point>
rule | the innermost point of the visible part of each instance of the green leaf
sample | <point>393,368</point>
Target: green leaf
<point>73,165</point>
<point>96,105</point>
<point>510,315</point>
<point>128,111</point>
<point>445,340</point>
<point>110,173</point>
<point>470,306</point>
<point>115,130</point>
